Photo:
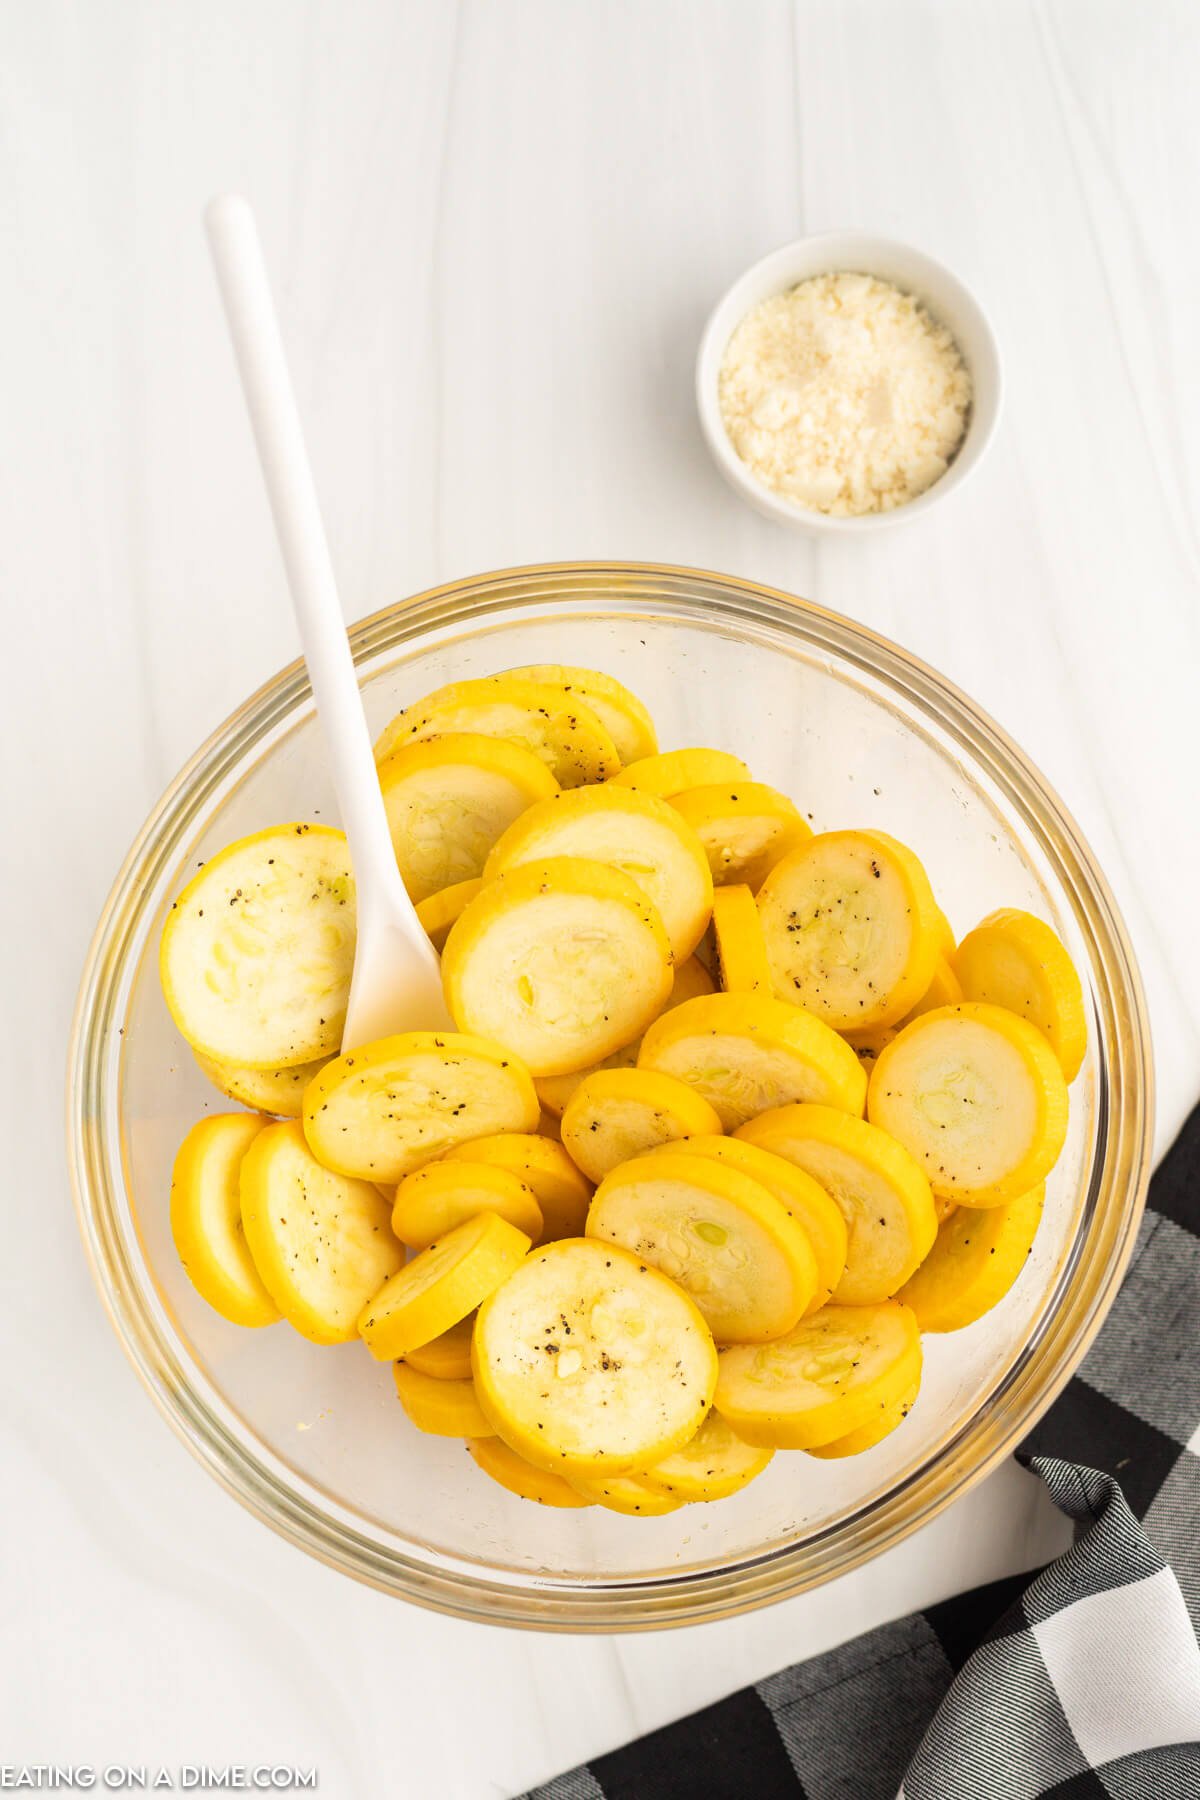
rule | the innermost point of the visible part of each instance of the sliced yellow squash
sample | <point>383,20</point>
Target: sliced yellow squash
<point>882,1192</point>
<point>691,980</point>
<point>746,1054</point>
<point>434,1199</point>
<point>710,1466</point>
<point>717,1233</point>
<point>739,943</point>
<point>638,834</point>
<point>977,1096</point>
<point>830,1376</point>
<point>257,951</point>
<point>321,1242</point>
<point>564,961</point>
<point>851,927</point>
<point>816,1212</point>
<point>544,1167</point>
<point>1016,961</point>
<point>555,725</point>
<point>944,990</point>
<point>866,1045</point>
<point>441,1286</point>
<point>438,913</point>
<point>450,798</point>
<point>625,1494</point>
<point>277,1092</point>
<point>386,1108</point>
<point>511,1471</point>
<point>621,713</point>
<point>672,771</point>
<point>976,1258</point>
<point>443,1408</point>
<point>448,1356</point>
<point>890,1414</point>
<point>871,1041</point>
<point>206,1218</point>
<point>616,1114</point>
<point>744,826</point>
<point>555,1091</point>
<point>590,1363</point>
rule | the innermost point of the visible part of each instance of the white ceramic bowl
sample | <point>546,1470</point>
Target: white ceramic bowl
<point>945,297</point>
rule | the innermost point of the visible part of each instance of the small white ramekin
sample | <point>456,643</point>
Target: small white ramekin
<point>946,298</point>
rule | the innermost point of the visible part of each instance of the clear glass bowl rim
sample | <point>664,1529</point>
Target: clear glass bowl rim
<point>1119,1177</point>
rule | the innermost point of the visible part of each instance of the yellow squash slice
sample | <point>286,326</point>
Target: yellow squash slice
<point>438,913</point>
<point>638,834</point>
<point>674,770</point>
<point>977,1096</point>
<point>385,1109</point>
<point>738,939</point>
<point>564,961</point>
<point>867,1045</point>
<point>555,725</point>
<point>883,1195</point>
<point>745,827</point>
<point>206,1218</point>
<point>945,934</point>
<point>447,1357</point>
<point>891,1414</point>
<point>449,799</point>
<point>441,1286</point>
<point>626,1494</point>
<point>816,1212</point>
<point>433,1200</point>
<point>1014,960</point>
<point>944,990</point>
<point>621,713</point>
<point>590,1363</point>
<point>277,1092</point>
<point>511,1471</point>
<point>257,951</point>
<point>713,1465</point>
<point>717,1233</point>
<point>851,927</point>
<point>443,1408</point>
<point>544,1167</point>
<point>872,1041</point>
<point>555,1091</point>
<point>975,1259</point>
<point>691,980</point>
<point>616,1114</point>
<point>747,1054</point>
<point>321,1242</point>
<point>830,1376</point>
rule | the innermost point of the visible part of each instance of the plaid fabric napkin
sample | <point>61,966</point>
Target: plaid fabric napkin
<point>1082,1682</point>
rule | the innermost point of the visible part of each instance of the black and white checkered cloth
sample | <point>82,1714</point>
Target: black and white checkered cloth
<point>1082,1682</point>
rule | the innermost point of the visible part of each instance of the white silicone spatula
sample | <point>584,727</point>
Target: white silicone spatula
<point>397,983</point>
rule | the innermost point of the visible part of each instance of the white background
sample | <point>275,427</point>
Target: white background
<point>495,230</point>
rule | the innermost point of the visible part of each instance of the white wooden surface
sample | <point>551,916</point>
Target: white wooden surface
<point>495,230</point>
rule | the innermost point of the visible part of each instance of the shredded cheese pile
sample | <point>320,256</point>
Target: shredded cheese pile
<point>844,395</point>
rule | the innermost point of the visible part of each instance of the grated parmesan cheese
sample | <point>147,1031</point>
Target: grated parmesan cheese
<point>843,394</point>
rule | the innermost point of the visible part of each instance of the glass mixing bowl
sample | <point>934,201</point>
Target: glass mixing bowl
<point>312,1440</point>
